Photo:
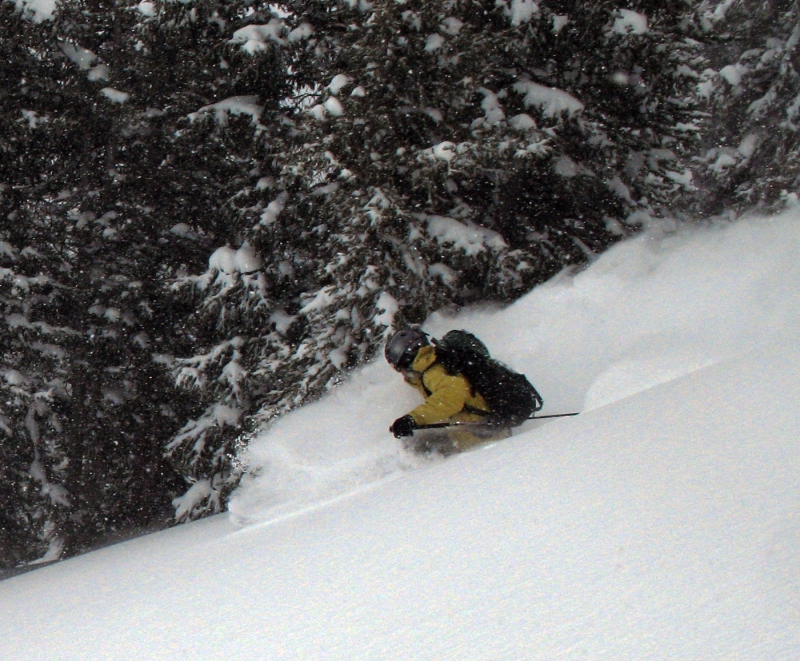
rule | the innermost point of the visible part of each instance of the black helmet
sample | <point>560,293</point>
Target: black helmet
<point>402,347</point>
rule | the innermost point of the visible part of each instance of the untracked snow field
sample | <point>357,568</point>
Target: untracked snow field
<point>661,523</point>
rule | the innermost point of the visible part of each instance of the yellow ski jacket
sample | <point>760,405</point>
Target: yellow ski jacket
<point>447,397</point>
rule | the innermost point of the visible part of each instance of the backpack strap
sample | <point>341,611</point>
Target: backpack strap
<point>428,391</point>
<point>474,411</point>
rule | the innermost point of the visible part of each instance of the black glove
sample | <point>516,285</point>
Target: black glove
<point>404,426</point>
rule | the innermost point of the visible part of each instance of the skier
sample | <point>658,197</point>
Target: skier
<point>448,398</point>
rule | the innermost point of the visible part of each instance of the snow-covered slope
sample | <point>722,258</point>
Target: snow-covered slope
<point>647,312</point>
<point>662,523</point>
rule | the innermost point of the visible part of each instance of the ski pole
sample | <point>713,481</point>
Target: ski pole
<point>479,423</point>
<point>444,425</point>
<point>557,415</point>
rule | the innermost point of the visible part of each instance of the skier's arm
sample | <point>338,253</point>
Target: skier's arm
<point>448,394</point>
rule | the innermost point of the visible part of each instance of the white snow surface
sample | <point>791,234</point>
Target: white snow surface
<point>661,523</point>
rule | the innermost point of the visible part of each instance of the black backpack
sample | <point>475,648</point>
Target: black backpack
<point>510,396</point>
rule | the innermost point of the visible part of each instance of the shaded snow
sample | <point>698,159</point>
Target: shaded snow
<point>245,259</point>
<point>235,105</point>
<point>256,38</point>
<point>146,8</point>
<point>451,25</point>
<point>519,11</point>
<point>732,74</point>
<point>630,22</point>
<point>333,107</point>
<point>197,493</point>
<point>338,82</point>
<point>302,31</point>
<point>469,238</point>
<point>492,108</point>
<point>37,11</point>
<point>559,22</point>
<point>550,100</point>
<point>661,523</point>
<point>78,55</point>
<point>433,42</point>
<point>522,122</point>
<point>115,95</point>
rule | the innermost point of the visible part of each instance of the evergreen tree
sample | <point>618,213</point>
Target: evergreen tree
<point>751,87</point>
<point>210,212</point>
<point>33,383</point>
<point>110,189</point>
<point>428,155</point>
<point>34,259</point>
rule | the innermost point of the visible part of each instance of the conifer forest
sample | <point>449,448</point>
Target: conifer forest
<point>211,211</point>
